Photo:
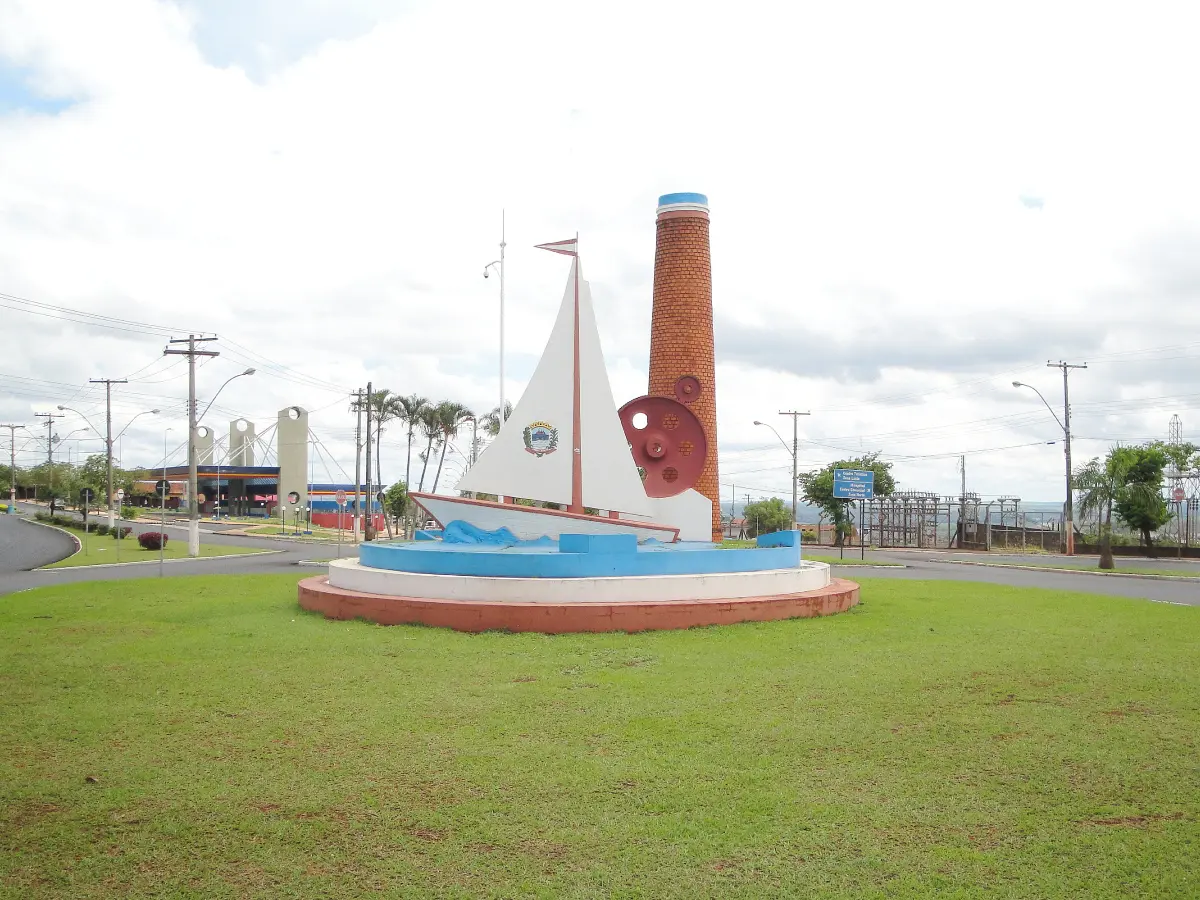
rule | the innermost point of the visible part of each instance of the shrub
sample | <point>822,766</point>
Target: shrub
<point>130,512</point>
<point>120,532</point>
<point>101,529</point>
<point>152,540</point>
<point>41,516</point>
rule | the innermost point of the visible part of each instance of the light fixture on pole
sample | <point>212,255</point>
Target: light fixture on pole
<point>193,478</point>
<point>499,265</point>
<point>793,452</point>
<point>221,388</point>
<point>148,412</point>
<point>1069,529</point>
<point>108,449</point>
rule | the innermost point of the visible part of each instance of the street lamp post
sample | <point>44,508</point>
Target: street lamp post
<point>1069,547</point>
<point>499,265</point>
<point>793,451</point>
<point>193,478</point>
<point>108,449</point>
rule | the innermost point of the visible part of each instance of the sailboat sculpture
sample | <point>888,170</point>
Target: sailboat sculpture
<point>562,444</point>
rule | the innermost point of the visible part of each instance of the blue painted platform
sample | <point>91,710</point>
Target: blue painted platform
<point>580,556</point>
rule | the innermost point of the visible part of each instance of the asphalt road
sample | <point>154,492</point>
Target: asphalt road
<point>924,567</point>
<point>24,546</point>
<point>28,551</point>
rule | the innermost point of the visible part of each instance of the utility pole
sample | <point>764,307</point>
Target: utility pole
<point>50,417</point>
<point>108,383</point>
<point>369,529</point>
<point>357,406</point>
<point>193,507</point>
<point>1066,369</point>
<point>795,458</point>
<point>962,501</point>
<point>12,469</point>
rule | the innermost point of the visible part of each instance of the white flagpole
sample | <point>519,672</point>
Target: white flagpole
<point>502,244</point>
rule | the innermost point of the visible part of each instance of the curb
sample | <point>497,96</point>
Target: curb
<point>959,562</point>
<point>155,562</point>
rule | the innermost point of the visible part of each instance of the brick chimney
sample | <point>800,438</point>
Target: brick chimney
<point>681,324</point>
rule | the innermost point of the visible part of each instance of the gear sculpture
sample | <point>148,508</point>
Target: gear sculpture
<point>668,443</point>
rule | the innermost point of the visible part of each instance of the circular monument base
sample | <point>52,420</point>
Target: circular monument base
<point>318,595</point>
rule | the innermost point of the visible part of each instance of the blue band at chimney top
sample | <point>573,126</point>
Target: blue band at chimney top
<point>683,199</point>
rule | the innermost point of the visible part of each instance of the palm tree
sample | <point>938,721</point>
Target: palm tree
<point>491,422</point>
<point>408,411</point>
<point>1098,484</point>
<point>450,417</point>
<point>1102,483</point>
<point>431,427</point>
<point>385,408</point>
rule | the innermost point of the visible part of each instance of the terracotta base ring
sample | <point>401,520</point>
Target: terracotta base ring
<point>318,595</point>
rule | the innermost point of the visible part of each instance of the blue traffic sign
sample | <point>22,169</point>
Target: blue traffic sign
<point>853,484</point>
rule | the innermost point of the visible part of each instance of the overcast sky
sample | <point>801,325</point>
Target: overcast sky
<point>912,206</point>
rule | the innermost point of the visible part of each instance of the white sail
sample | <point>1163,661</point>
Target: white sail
<point>507,467</point>
<point>610,476</point>
<point>532,455</point>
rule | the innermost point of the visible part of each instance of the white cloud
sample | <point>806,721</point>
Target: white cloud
<point>322,183</point>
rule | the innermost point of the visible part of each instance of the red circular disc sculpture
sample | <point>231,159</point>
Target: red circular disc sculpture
<point>687,388</point>
<point>670,444</point>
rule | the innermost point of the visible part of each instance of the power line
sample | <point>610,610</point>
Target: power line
<point>49,310</point>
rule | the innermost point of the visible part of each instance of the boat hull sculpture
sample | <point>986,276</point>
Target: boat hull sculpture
<point>530,523</point>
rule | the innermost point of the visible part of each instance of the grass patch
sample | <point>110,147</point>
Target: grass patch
<point>1091,567</point>
<point>317,531</point>
<point>948,739</point>
<point>100,549</point>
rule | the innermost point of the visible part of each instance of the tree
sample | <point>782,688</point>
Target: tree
<point>384,408</point>
<point>94,474</point>
<point>408,411</point>
<point>1128,482</point>
<point>431,427</point>
<point>450,416</point>
<point>395,501</point>
<point>7,480</point>
<point>1139,503</point>
<point>765,516</point>
<point>491,422</point>
<point>1098,483</point>
<point>817,488</point>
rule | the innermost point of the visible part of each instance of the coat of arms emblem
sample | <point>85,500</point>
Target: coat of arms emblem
<point>541,438</point>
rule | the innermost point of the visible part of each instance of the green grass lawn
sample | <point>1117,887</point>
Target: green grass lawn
<point>942,739</point>
<point>103,549</point>
<point>1090,566</point>
<point>290,531</point>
